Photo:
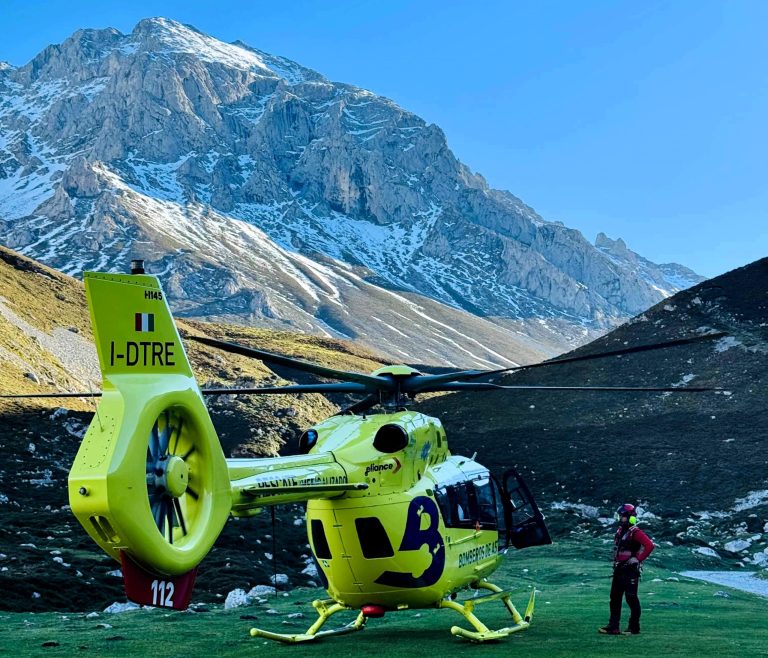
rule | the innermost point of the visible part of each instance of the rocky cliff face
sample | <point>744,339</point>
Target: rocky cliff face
<point>262,191</point>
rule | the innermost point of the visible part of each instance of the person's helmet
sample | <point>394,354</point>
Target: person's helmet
<point>627,510</point>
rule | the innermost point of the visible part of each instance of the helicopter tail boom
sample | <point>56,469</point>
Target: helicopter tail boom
<point>258,483</point>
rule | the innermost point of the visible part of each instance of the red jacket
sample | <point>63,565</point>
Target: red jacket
<point>631,542</point>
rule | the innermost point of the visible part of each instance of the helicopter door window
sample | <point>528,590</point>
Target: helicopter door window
<point>373,538</point>
<point>444,502</point>
<point>459,506</point>
<point>486,505</point>
<point>319,540</point>
<point>463,512</point>
<point>526,522</point>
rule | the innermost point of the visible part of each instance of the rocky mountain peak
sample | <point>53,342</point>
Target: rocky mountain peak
<point>617,247</point>
<point>268,194</point>
<point>163,37</point>
<point>160,26</point>
<point>667,274</point>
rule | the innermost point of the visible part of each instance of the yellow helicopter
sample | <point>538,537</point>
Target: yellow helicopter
<point>394,520</point>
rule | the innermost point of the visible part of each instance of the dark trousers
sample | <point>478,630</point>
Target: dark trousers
<point>624,584</point>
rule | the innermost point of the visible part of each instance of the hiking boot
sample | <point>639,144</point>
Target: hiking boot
<point>609,630</point>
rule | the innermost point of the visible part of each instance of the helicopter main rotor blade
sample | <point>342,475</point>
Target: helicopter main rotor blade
<point>373,383</point>
<point>483,386</point>
<point>341,387</point>
<point>626,350</point>
<point>425,383</point>
<point>362,405</point>
<point>51,395</point>
<point>361,383</point>
<point>417,383</point>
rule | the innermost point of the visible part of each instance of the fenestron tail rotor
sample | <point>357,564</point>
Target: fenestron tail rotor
<point>170,475</point>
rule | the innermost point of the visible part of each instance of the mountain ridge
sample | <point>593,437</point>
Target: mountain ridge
<point>686,452</point>
<point>166,142</point>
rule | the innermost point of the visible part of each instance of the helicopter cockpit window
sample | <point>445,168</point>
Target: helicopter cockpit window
<point>463,507</point>
<point>486,505</point>
<point>373,538</point>
<point>468,505</point>
<point>390,438</point>
<point>319,540</point>
<point>456,506</point>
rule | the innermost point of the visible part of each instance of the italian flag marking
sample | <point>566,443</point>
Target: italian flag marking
<point>144,321</point>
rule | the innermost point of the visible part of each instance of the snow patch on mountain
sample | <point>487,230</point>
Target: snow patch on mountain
<point>25,188</point>
<point>185,39</point>
<point>156,179</point>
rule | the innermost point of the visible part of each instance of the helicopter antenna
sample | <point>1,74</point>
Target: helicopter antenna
<point>274,550</point>
<point>472,458</point>
<point>96,405</point>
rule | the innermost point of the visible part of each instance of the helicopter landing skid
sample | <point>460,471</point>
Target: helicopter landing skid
<point>482,633</point>
<point>325,610</point>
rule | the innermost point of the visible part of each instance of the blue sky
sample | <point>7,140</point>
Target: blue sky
<point>644,120</point>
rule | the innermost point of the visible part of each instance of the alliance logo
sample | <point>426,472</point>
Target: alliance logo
<point>386,466</point>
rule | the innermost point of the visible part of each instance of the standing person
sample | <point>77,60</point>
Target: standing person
<point>631,546</point>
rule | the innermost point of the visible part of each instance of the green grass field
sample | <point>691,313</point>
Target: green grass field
<point>680,617</point>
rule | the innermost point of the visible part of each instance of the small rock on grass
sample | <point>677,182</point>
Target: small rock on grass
<point>117,607</point>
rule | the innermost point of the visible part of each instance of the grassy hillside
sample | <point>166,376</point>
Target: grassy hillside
<point>677,451</point>
<point>46,345</point>
<point>680,455</point>
<point>681,617</point>
<point>43,326</point>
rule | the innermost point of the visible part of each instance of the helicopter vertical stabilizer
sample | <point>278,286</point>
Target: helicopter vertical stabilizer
<point>149,480</point>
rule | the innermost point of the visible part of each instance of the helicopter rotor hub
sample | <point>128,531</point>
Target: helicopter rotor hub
<point>175,477</point>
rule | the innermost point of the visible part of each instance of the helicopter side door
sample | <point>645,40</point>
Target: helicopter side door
<point>525,522</point>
